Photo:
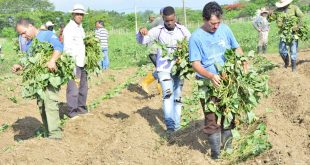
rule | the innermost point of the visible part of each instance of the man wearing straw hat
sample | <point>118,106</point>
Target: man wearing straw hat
<point>285,7</point>
<point>261,24</point>
<point>73,38</point>
<point>50,26</point>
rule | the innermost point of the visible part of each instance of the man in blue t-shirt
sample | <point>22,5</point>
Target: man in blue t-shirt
<point>207,47</point>
<point>48,106</point>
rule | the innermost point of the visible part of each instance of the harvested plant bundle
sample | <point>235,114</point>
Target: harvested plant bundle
<point>183,67</point>
<point>239,91</point>
<point>36,76</point>
<point>93,53</point>
<point>286,31</point>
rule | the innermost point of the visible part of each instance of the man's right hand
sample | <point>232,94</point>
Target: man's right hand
<point>216,80</point>
<point>16,67</point>
<point>143,31</point>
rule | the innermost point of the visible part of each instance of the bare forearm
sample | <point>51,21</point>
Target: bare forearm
<point>200,70</point>
<point>239,50</point>
<point>56,55</point>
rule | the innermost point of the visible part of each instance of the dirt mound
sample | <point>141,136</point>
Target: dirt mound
<point>128,128</point>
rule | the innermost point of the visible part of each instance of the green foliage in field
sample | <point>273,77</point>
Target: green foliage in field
<point>247,36</point>
<point>37,77</point>
<point>253,142</point>
<point>93,53</point>
<point>3,127</point>
<point>239,91</point>
<point>125,52</point>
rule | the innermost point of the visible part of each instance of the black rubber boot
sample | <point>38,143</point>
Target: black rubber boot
<point>293,65</point>
<point>227,139</point>
<point>259,49</point>
<point>264,49</point>
<point>286,61</point>
<point>215,144</point>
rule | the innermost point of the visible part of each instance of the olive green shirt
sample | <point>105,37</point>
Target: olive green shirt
<point>291,10</point>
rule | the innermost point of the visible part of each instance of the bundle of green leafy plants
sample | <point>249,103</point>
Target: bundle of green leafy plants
<point>182,67</point>
<point>252,142</point>
<point>239,91</point>
<point>37,77</point>
<point>292,28</point>
<point>93,53</point>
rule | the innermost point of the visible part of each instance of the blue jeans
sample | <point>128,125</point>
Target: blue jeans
<point>105,61</point>
<point>172,95</point>
<point>293,49</point>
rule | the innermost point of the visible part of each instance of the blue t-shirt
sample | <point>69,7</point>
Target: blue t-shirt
<point>50,37</point>
<point>209,48</point>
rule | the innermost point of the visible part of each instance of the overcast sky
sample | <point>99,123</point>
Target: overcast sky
<point>128,5</point>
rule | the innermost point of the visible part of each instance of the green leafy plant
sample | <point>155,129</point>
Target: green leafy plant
<point>13,99</point>
<point>4,127</point>
<point>36,76</point>
<point>253,142</point>
<point>182,67</point>
<point>93,53</point>
<point>239,91</point>
<point>287,31</point>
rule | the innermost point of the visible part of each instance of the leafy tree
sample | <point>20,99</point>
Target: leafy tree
<point>16,6</point>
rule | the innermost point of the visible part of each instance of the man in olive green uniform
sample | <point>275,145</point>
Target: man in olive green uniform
<point>285,7</point>
<point>48,105</point>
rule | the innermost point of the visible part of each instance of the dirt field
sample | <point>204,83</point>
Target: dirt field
<point>127,128</point>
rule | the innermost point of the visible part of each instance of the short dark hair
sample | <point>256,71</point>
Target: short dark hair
<point>168,11</point>
<point>25,22</point>
<point>100,22</point>
<point>212,8</point>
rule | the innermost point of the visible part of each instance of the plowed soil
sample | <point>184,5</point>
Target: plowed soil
<point>128,128</point>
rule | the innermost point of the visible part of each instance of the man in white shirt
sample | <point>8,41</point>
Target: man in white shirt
<point>168,34</point>
<point>73,38</point>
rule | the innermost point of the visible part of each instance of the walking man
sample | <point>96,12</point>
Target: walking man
<point>207,47</point>
<point>73,36</point>
<point>48,106</point>
<point>261,24</point>
<point>167,34</point>
<point>102,34</point>
<point>285,7</point>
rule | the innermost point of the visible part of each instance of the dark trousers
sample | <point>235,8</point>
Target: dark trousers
<point>77,92</point>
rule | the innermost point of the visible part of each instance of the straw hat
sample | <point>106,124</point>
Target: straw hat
<point>283,3</point>
<point>42,27</point>
<point>49,23</point>
<point>264,10</point>
<point>78,8</point>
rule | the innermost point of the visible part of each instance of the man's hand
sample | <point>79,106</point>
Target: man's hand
<point>245,66</point>
<point>295,28</point>
<point>16,67</point>
<point>216,80</point>
<point>143,31</point>
<point>51,65</point>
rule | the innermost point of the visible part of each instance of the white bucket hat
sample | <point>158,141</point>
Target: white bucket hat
<point>49,23</point>
<point>264,10</point>
<point>283,3</point>
<point>78,8</point>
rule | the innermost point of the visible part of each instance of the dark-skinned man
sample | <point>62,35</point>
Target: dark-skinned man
<point>168,34</point>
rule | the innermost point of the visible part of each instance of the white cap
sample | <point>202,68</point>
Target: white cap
<point>264,10</point>
<point>78,8</point>
<point>283,3</point>
<point>49,23</point>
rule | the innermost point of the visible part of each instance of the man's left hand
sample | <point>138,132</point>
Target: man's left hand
<point>51,65</point>
<point>295,28</point>
<point>245,66</point>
